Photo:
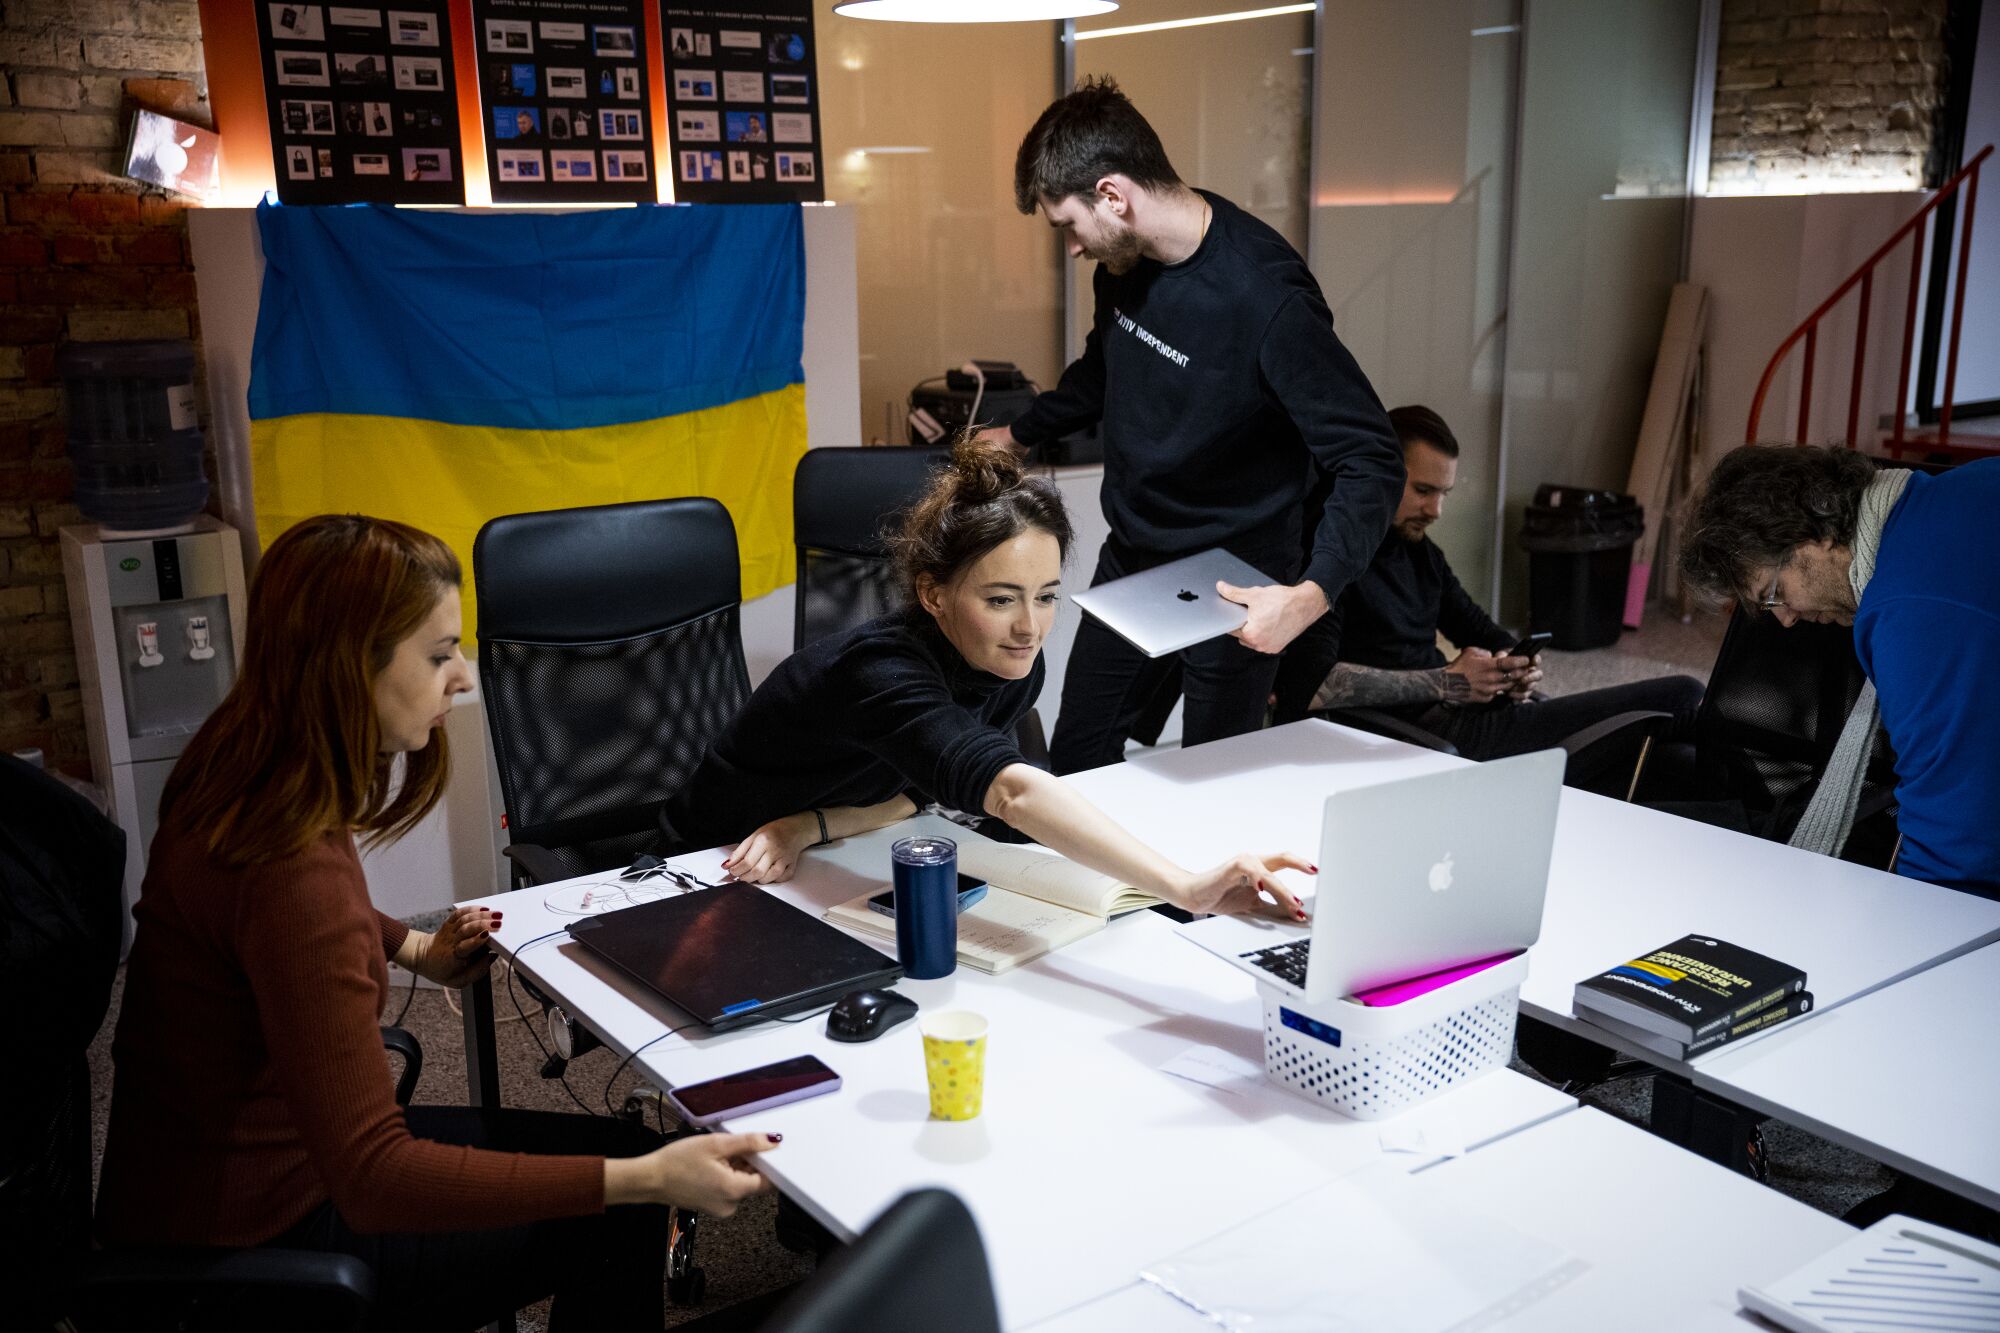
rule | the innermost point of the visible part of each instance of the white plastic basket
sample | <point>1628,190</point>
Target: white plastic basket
<point>1372,1063</point>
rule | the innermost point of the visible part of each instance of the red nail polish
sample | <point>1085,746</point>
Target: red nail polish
<point>1314,869</point>
<point>775,1138</point>
<point>1300,915</point>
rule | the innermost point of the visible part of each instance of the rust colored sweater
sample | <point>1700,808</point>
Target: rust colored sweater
<point>251,1084</point>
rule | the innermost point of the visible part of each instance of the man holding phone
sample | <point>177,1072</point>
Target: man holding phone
<point>1381,638</point>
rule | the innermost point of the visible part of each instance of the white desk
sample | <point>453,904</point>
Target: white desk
<point>1667,1237</point>
<point>1624,879</point>
<point>1088,1161</point>
<point>1909,1075</point>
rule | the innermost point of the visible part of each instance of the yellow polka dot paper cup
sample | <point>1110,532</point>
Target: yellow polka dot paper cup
<point>955,1060</point>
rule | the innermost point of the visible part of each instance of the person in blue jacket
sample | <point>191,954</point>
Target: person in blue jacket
<point>1823,534</point>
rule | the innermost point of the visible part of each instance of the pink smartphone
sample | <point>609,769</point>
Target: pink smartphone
<point>709,1104</point>
<point>1398,992</point>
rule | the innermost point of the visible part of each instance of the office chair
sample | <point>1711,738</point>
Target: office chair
<point>1776,702</point>
<point>64,864</point>
<point>611,655</point>
<point>845,502</point>
<point>919,1267</point>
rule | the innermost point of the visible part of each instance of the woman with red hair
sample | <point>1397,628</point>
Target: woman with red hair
<point>251,1104</point>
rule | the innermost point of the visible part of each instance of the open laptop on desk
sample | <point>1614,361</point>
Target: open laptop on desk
<point>734,955</point>
<point>1415,876</point>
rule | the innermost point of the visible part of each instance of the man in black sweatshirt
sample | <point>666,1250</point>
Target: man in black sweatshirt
<point>1384,630</point>
<point>1222,394</point>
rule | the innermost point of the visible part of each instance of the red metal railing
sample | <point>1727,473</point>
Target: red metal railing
<point>1864,278</point>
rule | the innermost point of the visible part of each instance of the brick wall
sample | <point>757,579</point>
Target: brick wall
<point>1826,95</point>
<point>84,254</point>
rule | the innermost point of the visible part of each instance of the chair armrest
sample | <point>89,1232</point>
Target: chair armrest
<point>407,1046</point>
<point>1644,722</point>
<point>147,1288</point>
<point>1597,755</point>
<point>533,864</point>
<point>1388,724</point>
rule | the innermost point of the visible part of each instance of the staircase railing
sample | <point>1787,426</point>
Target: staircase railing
<point>1864,278</point>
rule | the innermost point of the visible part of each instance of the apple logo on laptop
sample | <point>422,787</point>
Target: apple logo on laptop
<point>1186,596</point>
<point>1441,875</point>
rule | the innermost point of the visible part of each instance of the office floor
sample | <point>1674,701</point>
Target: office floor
<point>741,1254</point>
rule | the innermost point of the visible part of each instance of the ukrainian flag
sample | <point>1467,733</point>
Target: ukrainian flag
<point>444,369</point>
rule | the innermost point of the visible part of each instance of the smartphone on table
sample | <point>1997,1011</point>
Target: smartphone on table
<point>709,1104</point>
<point>970,891</point>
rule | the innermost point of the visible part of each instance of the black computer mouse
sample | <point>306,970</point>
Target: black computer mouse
<point>864,1015</point>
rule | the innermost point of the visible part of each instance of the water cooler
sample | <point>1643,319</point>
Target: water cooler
<point>158,620</point>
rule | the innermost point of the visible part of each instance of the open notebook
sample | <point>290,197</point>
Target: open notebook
<point>1037,902</point>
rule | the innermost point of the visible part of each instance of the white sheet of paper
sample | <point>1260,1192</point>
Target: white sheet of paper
<point>1214,1067</point>
<point>1373,1252</point>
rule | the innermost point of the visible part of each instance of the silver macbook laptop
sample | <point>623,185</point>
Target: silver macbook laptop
<point>1172,606</point>
<point>1415,876</point>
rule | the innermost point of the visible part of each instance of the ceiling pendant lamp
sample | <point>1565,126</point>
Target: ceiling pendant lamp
<point>973,11</point>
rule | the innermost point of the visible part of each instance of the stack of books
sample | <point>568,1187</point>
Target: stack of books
<point>1694,995</point>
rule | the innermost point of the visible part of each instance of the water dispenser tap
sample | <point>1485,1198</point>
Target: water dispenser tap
<point>199,648</point>
<point>149,644</point>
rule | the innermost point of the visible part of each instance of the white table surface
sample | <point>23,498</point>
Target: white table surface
<point>1089,1160</point>
<point>1667,1237</point>
<point>1623,879</point>
<point>1909,1075</point>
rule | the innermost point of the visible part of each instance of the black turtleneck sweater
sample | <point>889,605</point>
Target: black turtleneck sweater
<point>855,719</point>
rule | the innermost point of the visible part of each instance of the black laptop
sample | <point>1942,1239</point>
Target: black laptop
<point>734,955</point>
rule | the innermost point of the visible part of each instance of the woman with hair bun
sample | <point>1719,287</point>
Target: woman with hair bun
<point>849,732</point>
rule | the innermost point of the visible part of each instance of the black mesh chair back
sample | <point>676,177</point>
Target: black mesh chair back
<point>610,656</point>
<point>1776,702</point>
<point>844,503</point>
<point>919,1268</point>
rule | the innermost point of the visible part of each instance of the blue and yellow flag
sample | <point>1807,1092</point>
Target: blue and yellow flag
<point>444,369</point>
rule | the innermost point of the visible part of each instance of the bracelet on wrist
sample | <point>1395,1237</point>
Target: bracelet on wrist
<point>824,839</point>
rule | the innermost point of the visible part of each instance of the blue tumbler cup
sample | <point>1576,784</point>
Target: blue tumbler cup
<point>926,871</point>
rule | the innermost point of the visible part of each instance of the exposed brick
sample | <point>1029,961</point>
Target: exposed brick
<point>23,250</point>
<point>52,519</point>
<point>151,247</point>
<point>82,249</point>
<point>29,326</point>
<point>147,53</point>
<point>47,90</point>
<point>26,404</point>
<point>102,325</point>
<point>56,672</point>
<point>44,49</point>
<point>157,209</point>
<point>169,20</point>
<point>94,209</point>
<point>16,170</point>
<point>99,169</point>
<point>67,287</point>
<point>1740,79</point>
<point>105,92</point>
<point>92,132</point>
<point>29,128</point>
<point>13,366</point>
<point>171,287</point>
<point>18,602</point>
<point>55,602</point>
<point>170,97</point>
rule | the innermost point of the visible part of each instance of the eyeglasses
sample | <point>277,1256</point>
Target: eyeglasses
<point>1771,600</point>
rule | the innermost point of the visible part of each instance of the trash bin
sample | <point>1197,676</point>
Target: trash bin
<point>1579,546</point>
<point>133,440</point>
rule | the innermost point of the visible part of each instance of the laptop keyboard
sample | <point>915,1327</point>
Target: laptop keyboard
<point>1284,960</point>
